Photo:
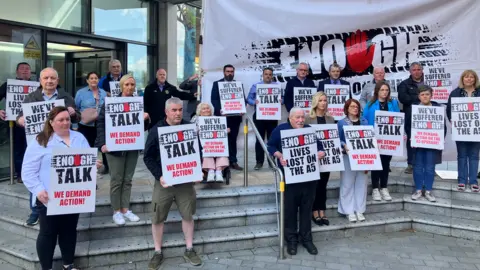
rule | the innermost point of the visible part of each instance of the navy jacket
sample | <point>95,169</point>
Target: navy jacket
<point>321,84</point>
<point>274,144</point>
<point>457,93</point>
<point>288,96</point>
<point>104,82</point>
<point>408,95</point>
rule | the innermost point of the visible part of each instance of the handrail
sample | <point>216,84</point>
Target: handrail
<point>278,171</point>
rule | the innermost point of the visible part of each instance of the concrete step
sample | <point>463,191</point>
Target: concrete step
<point>8,266</point>
<point>446,225</point>
<point>441,189</point>
<point>444,207</point>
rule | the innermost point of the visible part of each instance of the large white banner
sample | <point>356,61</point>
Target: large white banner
<point>124,124</point>
<point>17,90</point>
<point>333,160</point>
<point>73,181</point>
<point>36,113</point>
<point>387,33</point>
<point>466,119</point>
<point>213,134</point>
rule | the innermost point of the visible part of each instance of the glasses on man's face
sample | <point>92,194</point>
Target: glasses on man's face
<point>303,70</point>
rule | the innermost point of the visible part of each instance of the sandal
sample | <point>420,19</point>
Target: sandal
<point>317,219</point>
<point>475,188</point>
<point>325,221</point>
<point>461,187</point>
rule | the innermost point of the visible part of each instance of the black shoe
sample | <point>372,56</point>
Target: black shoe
<point>235,166</point>
<point>325,221</point>
<point>292,248</point>
<point>32,220</point>
<point>258,166</point>
<point>311,248</point>
<point>317,220</point>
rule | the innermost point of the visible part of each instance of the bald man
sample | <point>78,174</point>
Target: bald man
<point>367,91</point>
<point>157,93</point>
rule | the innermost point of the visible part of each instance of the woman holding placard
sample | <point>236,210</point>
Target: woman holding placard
<point>214,165</point>
<point>319,115</point>
<point>36,177</point>
<point>381,101</point>
<point>425,159</point>
<point>353,184</point>
<point>467,152</point>
<point>122,163</point>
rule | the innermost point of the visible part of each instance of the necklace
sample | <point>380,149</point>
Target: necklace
<point>383,105</point>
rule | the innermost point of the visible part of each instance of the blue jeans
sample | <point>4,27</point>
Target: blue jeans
<point>33,208</point>
<point>467,159</point>
<point>424,168</point>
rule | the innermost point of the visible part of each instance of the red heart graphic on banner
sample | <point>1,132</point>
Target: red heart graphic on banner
<point>215,134</point>
<point>270,91</point>
<point>338,91</point>
<point>25,89</point>
<point>470,107</point>
<point>390,120</point>
<point>429,125</point>
<point>233,96</point>
<point>180,136</point>
<point>361,133</point>
<point>307,104</point>
<point>76,160</point>
<point>439,83</point>
<point>326,134</point>
<point>126,107</point>
<point>301,140</point>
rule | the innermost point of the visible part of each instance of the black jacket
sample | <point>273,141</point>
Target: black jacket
<point>190,86</point>
<point>105,82</point>
<point>321,84</point>
<point>154,100</point>
<point>457,93</point>
<point>408,95</point>
<point>151,155</point>
<point>295,82</point>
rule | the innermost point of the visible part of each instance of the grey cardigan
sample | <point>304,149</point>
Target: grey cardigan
<point>313,121</point>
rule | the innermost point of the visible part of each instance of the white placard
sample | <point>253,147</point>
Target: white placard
<point>302,97</point>
<point>389,130</point>
<point>180,154</point>
<point>124,124</point>
<point>439,78</point>
<point>35,114</point>
<point>269,106</point>
<point>329,136</point>
<point>115,88</point>
<point>428,127</point>
<point>363,149</point>
<point>232,97</point>
<point>337,95</point>
<point>73,181</point>
<point>465,119</point>
<point>213,134</point>
<point>17,90</point>
<point>300,150</point>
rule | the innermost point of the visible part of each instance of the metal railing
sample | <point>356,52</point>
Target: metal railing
<point>279,185</point>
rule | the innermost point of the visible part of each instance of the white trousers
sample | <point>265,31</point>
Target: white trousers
<point>353,190</point>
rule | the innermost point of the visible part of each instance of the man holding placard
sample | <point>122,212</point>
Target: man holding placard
<point>110,81</point>
<point>265,96</point>
<point>300,80</point>
<point>233,121</point>
<point>334,72</point>
<point>298,150</point>
<point>172,156</point>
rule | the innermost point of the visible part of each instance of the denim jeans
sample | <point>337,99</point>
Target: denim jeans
<point>424,168</point>
<point>33,208</point>
<point>467,159</point>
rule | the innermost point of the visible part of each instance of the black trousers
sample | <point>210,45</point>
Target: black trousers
<point>265,128</point>
<point>299,200</point>
<point>19,148</point>
<point>380,178</point>
<point>320,202</point>
<point>61,227</point>
<point>233,122</point>
<point>409,149</point>
<point>90,133</point>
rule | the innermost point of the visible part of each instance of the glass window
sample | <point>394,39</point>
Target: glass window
<point>63,14</point>
<point>188,34</point>
<point>125,19</point>
<point>17,45</point>
<point>137,65</point>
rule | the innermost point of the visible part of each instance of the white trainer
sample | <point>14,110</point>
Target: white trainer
<point>218,176</point>
<point>376,195</point>
<point>430,196</point>
<point>211,176</point>
<point>131,216</point>
<point>417,195</point>
<point>385,194</point>
<point>360,217</point>
<point>352,218</point>
<point>118,218</point>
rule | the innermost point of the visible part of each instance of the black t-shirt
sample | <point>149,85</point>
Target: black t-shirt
<point>321,120</point>
<point>356,123</point>
<point>383,106</point>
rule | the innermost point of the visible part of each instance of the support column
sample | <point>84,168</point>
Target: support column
<point>167,40</point>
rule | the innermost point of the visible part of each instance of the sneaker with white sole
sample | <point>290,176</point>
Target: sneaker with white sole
<point>430,196</point>
<point>218,176</point>
<point>131,216</point>
<point>417,195</point>
<point>352,218</point>
<point>118,218</point>
<point>211,176</point>
<point>376,195</point>
<point>360,217</point>
<point>385,194</point>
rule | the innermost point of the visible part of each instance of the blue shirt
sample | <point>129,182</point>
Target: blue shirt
<point>252,95</point>
<point>36,165</point>
<point>53,97</point>
<point>84,99</point>
<point>337,81</point>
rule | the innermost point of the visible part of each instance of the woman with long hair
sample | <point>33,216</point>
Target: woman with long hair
<point>381,101</point>
<point>122,163</point>
<point>319,115</point>
<point>36,175</point>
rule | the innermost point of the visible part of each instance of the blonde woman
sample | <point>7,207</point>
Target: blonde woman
<point>319,115</point>
<point>214,165</point>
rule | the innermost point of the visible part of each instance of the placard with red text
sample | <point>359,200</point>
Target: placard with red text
<point>333,160</point>
<point>232,98</point>
<point>302,97</point>
<point>362,148</point>
<point>428,127</point>
<point>389,130</point>
<point>35,114</point>
<point>213,134</point>
<point>180,154</point>
<point>465,119</point>
<point>269,106</point>
<point>17,90</point>
<point>124,129</point>
<point>440,80</point>
<point>337,95</point>
<point>73,181</point>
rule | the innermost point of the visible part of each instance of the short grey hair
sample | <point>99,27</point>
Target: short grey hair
<point>294,110</point>
<point>173,100</point>
<point>113,61</point>
<point>415,64</point>
<point>201,105</point>
<point>49,68</point>
<point>303,63</point>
